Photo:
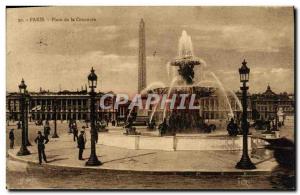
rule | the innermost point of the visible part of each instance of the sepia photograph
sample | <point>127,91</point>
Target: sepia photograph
<point>150,98</point>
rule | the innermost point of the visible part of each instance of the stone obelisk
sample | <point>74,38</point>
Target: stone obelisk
<point>142,57</point>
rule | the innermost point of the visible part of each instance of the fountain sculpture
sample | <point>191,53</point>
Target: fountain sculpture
<point>182,71</point>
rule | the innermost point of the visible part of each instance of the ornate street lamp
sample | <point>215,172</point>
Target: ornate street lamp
<point>26,111</point>
<point>55,118</point>
<point>93,159</point>
<point>276,115</point>
<point>23,150</point>
<point>245,162</point>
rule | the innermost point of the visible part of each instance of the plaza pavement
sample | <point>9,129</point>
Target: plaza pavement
<point>63,153</point>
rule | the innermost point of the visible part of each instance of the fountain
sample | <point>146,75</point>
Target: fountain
<point>188,76</point>
<point>182,83</point>
<point>181,72</point>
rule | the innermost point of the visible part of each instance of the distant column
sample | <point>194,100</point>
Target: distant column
<point>76,109</point>
<point>52,109</point>
<point>142,57</point>
<point>60,109</point>
<point>81,105</point>
<point>67,111</point>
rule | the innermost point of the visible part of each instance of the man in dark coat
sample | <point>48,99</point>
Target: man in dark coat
<point>41,140</point>
<point>232,128</point>
<point>47,129</point>
<point>163,127</point>
<point>19,125</point>
<point>70,126</point>
<point>81,144</point>
<point>75,133</point>
<point>11,139</point>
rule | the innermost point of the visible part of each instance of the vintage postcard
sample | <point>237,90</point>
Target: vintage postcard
<point>156,97</point>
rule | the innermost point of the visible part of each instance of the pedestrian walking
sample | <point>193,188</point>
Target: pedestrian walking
<point>163,127</point>
<point>81,144</point>
<point>11,139</point>
<point>232,128</point>
<point>75,133</point>
<point>47,129</point>
<point>41,140</point>
<point>19,126</point>
<point>70,126</point>
<point>83,129</point>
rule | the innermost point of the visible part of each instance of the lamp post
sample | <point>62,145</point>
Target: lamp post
<point>245,162</point>
<point>26,111</point>
<point>276,116</point>
<point>55,118</point>
<point>93,159</point>
<point>23,150</point>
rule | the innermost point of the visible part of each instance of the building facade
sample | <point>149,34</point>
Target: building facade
<point>268,103</point>
<point>64,106</point>
<point>76,106</point>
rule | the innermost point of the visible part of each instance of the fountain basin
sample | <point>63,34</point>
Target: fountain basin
<point>186,61</point>
<point>199,142</point>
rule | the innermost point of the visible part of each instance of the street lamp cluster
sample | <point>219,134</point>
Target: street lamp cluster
<point>55,119</point>
<point>93,159</point>
<point>26,111</point>
<point>23,150</point>
<point>92,81</point>
<point>244,163</point>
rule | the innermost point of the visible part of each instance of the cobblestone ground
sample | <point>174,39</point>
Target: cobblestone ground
<point>23,175</point>
<point>33,129</point>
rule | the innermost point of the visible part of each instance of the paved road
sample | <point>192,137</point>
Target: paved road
<point>23,175</point>
<point>64,152</point>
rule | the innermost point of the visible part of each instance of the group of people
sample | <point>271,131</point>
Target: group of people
<point>232,128</point>
<point>73,129</point>
<point>43,139</point>
<point>110,120</point>
<point>271,124</point>
<point>40,140</point>
<point>151,124</point>
<point>81,139</point>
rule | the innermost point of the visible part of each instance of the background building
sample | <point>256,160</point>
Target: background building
<point>76,106</point>
<point>69,106</point>
<point>268,103</point>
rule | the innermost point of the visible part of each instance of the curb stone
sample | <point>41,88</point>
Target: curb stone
<point>184,173</point>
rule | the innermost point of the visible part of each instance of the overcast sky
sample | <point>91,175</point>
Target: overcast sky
<point>52,54</point>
